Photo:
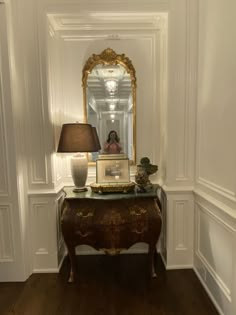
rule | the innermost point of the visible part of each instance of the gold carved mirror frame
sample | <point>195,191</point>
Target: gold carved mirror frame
<point>108,57</point>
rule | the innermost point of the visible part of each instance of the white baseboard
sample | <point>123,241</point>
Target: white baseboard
<point>49,270</point>
<point>172,267</point>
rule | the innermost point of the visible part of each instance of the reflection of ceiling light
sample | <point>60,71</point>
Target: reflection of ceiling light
<point>111,86</point>
<point>112,106</point>
<point>112,116</point>
<point>112,120</point>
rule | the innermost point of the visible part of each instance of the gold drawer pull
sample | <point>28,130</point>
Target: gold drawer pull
<point>83,234</point>
<point>137,211</point>
<point>89,214</point>
<point>138,231</point>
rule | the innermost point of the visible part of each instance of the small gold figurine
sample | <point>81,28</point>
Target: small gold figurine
<point>144,169</point>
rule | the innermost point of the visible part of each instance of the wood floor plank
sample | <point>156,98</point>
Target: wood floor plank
<point>108,286</point>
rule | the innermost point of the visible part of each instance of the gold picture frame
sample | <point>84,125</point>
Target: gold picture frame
<point>112,171</point>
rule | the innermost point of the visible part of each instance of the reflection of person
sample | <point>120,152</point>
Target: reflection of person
<point>112,145</point>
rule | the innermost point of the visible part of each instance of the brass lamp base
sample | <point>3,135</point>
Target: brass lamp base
<point>79,171</point>
<point>79,189</point>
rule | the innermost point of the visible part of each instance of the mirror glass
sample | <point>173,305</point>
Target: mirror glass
<point>109,88</point>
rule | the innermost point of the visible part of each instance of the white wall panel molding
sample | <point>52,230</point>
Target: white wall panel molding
<point>6,234</point>
<point>222,210</point>
<point>51,30</point>
<point>103,36</point>
<point>6,132</point>
<point>56,100</point>
<point>225,195</point>
<point>107,21</point>
<point>182,92</point>
<point>220,190</point>
<point>41,215</point>
<point>178,189</point>
<point>214,261</point>
<point>4,167</point>
<point>179,227</point>
<point>67,177</point>
<point>44,231</point>
<point>180,231</point>
<point>186,171</point>
<point>36,113</point>
<point>38,173</point>
<point>217,218</point>
<point>46,192</point>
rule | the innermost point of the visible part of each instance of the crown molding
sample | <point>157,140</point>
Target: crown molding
<point>104,21</point>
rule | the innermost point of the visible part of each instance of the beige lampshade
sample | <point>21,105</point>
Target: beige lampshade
<point>78,137</point>
<point>96,138</point>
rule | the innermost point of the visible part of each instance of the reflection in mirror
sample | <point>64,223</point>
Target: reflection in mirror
<point>109,87</point>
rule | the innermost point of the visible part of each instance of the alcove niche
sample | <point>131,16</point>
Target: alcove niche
<point>142,37</point>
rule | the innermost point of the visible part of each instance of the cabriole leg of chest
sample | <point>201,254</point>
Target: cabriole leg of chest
<point>155,229</point>
<point>73,268</point>
<point>152,261</point>
<point>70,244</point>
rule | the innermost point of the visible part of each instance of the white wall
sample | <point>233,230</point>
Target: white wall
<point>14,257</point>
<point>215,202</point>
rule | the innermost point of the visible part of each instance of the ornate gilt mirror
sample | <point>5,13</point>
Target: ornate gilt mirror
<point>109,91</point>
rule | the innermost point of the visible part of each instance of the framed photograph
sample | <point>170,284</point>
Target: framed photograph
<point>112,171</point>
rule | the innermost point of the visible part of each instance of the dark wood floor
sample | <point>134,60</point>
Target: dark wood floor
<point>108,286</point>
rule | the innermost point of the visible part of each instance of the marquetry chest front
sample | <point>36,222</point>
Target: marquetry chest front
<point>111,222</point>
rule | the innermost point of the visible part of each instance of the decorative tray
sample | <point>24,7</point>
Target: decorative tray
<point>113,187</point>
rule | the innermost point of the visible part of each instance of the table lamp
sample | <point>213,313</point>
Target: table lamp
<point>78,138</point>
